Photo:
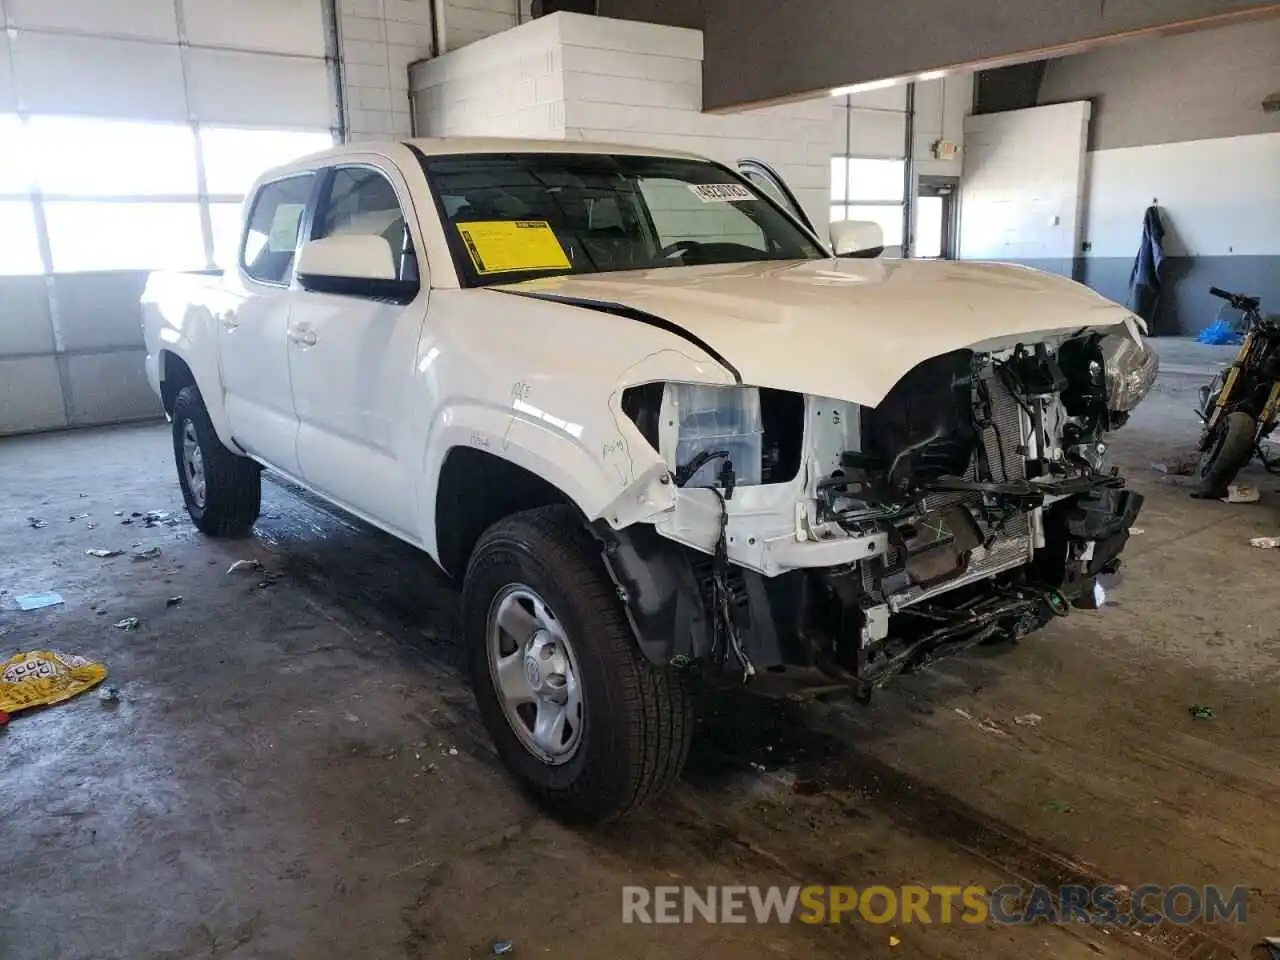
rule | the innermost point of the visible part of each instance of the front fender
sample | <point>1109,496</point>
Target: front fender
<point>606,470</point>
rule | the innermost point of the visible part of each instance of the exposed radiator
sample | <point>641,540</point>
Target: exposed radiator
<point>1013,547</point>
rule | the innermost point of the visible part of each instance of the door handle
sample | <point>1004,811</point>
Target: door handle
<point>304,336</point>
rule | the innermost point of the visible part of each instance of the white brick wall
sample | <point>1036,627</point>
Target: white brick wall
<point>379,39</point>
<point>941,106</point>
<point>592,78</point>
<point>1023,187</point>
<point>507,85</point>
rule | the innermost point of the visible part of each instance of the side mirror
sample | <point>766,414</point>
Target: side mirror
<point>354,264</point>
<point>857,238</point>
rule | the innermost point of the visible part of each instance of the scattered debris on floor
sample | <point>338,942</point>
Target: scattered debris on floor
<point>117,513</point>
<point>37,601</point>
<point>502,948</point>
<point>173,602</point>
<point>268,580</point>
<point>1060,806</point>
<point>1028,720</point>
<point>1265,543</point>
<point>77,516</point>
<point>244,566</point>
<point>128,623</point>
<point>1242,493</point>
<point>402,820</point>
<point>1181,465</point>
<point>1136,531</point>
<point>156,518</point>
<point>453,752</point>
<point>894,941</point>
<point>43,677</point>
<point>109,694</point>
<point>1201,713</point>
<point>36,523</point>
<point>147,553</point>
<point>102,554</point>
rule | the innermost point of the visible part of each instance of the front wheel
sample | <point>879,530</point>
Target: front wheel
<point>1228,451</point>
<point>222,490</point>
<point>587,725</point>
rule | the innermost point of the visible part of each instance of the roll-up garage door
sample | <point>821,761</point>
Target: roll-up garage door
<point>129,133</point>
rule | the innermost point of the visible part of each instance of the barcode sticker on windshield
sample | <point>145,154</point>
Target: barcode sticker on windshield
<point>721,192</point>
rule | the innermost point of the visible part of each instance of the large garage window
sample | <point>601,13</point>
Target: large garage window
<point>86,157</point>
<point>236,156</point>
<point>867,188</point>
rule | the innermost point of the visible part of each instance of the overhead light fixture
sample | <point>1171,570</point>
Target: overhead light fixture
<point>863,87</point>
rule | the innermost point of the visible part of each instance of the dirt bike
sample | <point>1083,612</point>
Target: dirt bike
<point>1239,407</point>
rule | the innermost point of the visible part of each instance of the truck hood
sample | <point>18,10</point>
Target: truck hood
<point>847,329</point>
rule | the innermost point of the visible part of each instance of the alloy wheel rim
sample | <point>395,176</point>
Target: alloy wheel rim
<point>535,674</point>
<point>193,464</point>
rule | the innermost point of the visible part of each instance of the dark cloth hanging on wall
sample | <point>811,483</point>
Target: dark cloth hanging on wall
<point>1144,283</point>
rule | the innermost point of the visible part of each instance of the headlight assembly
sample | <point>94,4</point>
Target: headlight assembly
<point>714,425</point>
<point>1131,367</point>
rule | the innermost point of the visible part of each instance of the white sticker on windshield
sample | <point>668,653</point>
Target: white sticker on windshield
<point>721,192</point>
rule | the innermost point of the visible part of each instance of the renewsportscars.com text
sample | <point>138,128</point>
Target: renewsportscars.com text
<point>1105,905</point>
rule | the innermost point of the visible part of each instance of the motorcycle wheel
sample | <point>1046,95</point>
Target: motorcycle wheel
<point>1228,450</point>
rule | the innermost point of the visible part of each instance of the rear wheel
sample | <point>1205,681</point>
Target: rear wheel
<point>589,727</point>
<point>222,490</point>
<point>1229,450</point>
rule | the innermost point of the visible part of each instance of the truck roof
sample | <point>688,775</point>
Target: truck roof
<point>440,146</point>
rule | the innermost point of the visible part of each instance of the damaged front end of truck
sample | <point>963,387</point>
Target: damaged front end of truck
<point>971,504</point>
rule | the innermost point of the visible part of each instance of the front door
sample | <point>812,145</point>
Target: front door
<point>252,338</point>
<point>769,182</point>
<point>352,360</point>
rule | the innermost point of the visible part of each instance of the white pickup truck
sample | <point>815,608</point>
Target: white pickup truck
<point>656,429</point>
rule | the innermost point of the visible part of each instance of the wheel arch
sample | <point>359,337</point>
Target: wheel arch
<point>475,490</point>
<point>176,370</point>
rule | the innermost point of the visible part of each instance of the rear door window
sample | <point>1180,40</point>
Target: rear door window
<point>275,221</point>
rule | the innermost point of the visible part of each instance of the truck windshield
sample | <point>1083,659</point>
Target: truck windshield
<point>513,217</point>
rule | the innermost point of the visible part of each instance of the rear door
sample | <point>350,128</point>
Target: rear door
<point>352,357</point>
<point>253,338</point>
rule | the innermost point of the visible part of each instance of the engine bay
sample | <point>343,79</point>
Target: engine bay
<point>970,503</point>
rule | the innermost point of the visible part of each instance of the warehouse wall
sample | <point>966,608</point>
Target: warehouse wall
<point>1176,122</point>
<point>125,134</point>
<point>381,38</point>
<point>1022,194</point>
<point>1179,122</point>
<point>584,77</point>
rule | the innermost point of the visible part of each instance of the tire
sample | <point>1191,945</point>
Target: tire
<point>1228,453</point>
<point>636,722</point>
<point>231,497</point>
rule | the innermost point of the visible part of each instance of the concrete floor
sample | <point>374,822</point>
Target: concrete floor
<point>296,771</point>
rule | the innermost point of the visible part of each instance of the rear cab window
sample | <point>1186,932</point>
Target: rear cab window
<point>273,227</point>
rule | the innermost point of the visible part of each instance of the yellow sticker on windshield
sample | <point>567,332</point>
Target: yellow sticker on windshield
<point>509,246</point>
